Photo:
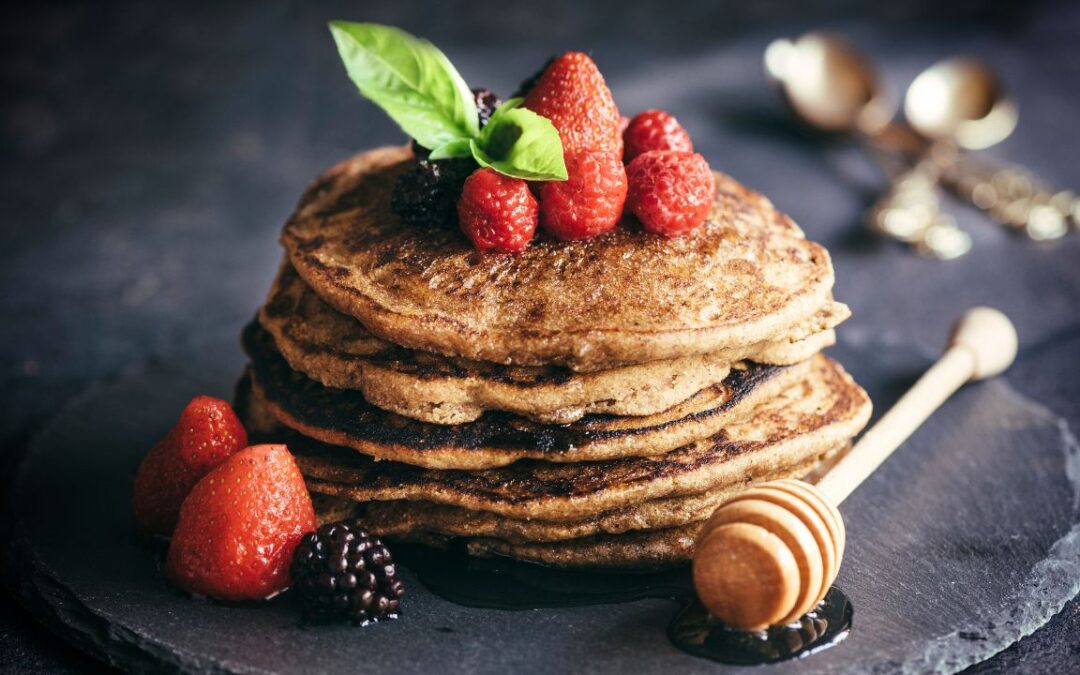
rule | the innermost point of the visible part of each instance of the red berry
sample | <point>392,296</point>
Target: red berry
<point>207,432</point>
<point>654,130</point>
<point>590,201</point>
<point>497,212</point>
<point>572,94</point>
<point>670,192</point>
<point>239,526</point>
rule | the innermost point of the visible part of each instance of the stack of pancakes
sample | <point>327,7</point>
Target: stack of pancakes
<point>582,403</point>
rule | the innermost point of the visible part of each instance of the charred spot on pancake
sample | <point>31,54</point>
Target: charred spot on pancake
<point>280,306</point>
<point>311,244</point>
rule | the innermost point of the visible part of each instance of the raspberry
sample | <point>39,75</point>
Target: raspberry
<point>497,212</point>
<point>342,571</point>
<point>572,94</point>
<point>654,130</point>
<point>486,103</point>
<point>589,202</point>
<point>426,194</point>
<point>670,192</point>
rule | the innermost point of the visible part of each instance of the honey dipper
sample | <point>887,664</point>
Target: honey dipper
<point>769,555</point>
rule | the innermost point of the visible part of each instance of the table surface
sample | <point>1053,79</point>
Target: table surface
<point>150,152</point>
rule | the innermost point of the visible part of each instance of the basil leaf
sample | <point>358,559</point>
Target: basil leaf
<point>410,79</point>
<point>458,148</point>
<point>519,143</point>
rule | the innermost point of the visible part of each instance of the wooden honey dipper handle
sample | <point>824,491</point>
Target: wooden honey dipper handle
<point>983,343</point>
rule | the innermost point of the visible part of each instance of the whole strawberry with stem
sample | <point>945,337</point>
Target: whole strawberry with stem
<point>496,212</point>
<point>573,95</point>
<point>239,526</point>
<point>207,432</point>
<point>590,201</point>
<point>670,192</point>
<point>654,130</point>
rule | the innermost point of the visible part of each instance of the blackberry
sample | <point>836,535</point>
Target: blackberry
<point>343,572</point>
<point>486,103</point>
<point>419,152</point>
<point>427,194</point>
<point>528,83</point>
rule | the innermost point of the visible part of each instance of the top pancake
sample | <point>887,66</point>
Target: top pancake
<point>745,276</point>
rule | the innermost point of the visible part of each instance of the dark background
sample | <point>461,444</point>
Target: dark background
<point>149,153</point>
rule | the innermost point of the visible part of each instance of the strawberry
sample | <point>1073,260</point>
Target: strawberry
<point>654,130</point>
<point>670,192</point>
<point>207,432</point>
<point>497,212</point>
<point>572,94</point>
<point>239,526</point>
<point>589,202</point>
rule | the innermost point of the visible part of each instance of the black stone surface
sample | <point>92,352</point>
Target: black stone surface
<point>149,152</point>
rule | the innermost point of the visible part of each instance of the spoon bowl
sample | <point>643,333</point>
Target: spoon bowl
<point>960,99</point>
<point>828,84</point>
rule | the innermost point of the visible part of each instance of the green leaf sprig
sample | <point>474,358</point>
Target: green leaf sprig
<point>418,87</point>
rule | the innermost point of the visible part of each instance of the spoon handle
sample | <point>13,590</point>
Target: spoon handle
<point>911,212</point>
<point>951,371</point>
<point>1011,195</point>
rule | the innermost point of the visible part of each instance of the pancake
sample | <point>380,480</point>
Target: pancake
<point>344,418</point>
<point>337,351</point>
<point>644,549</point>
<point>817,414</point>
<point>330,509</point>
<point>404,517</point>
<point>746,276</point>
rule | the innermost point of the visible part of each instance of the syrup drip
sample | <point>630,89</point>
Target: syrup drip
<point>695,632</point>
<point>503,583</point>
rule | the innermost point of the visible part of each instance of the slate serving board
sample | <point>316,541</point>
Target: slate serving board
<point>966,540</point>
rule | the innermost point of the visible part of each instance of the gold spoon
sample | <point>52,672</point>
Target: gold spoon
<point>960,100</point>
<point>828,84</point>
<point>956,103</point>
<point>831,86</point>
<point>769,555</point>
<point>961,103</point>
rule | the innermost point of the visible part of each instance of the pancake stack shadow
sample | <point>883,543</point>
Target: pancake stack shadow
<point>580,404</point>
